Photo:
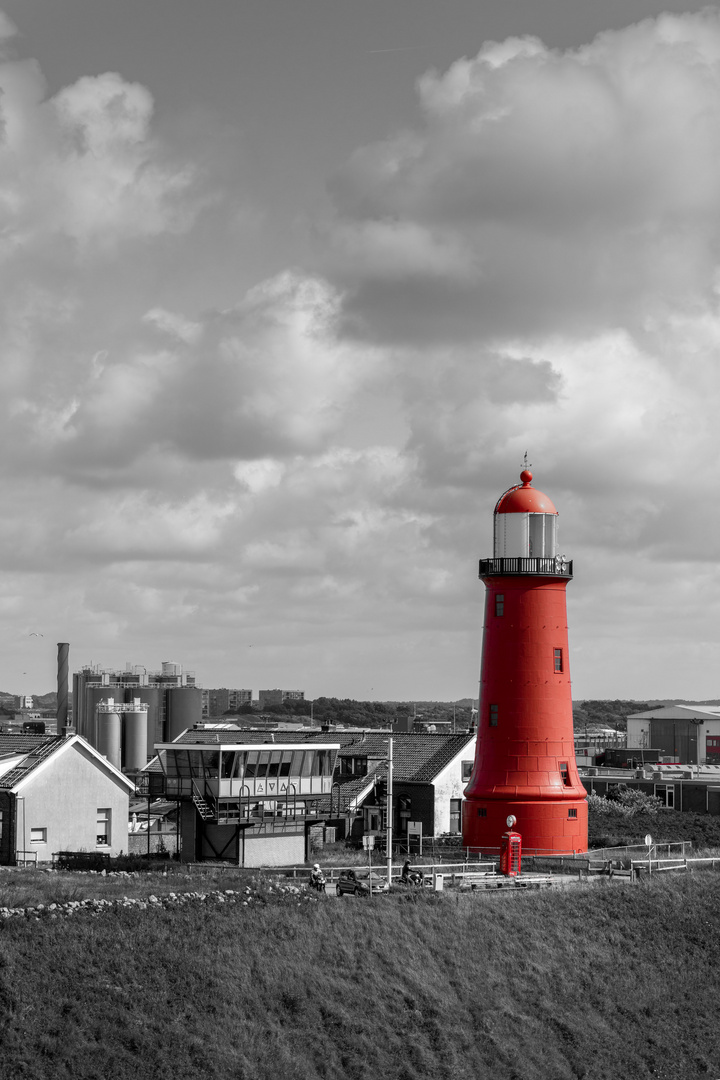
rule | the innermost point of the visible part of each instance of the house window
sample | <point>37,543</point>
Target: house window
<point>572,813</point>
<point>405,811</point>
<point>558,660</point>
<point>467,768</point>
<point>494,715</point>
<point>455,815</point>
<point>102,838</point>
<point>564,773</point>
<point>666,792</point>
<point>500,604</point>
<point>38,836</point>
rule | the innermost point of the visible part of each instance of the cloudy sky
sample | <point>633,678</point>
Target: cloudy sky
<point>289,287</point>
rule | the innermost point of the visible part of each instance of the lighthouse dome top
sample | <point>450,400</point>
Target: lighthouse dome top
<point>523,498</point>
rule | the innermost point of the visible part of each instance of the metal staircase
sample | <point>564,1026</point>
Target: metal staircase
<point>205,811</point>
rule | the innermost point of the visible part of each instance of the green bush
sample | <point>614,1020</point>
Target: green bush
<point>625,802</point>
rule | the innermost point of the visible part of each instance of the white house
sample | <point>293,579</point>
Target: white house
<point>59,794</point>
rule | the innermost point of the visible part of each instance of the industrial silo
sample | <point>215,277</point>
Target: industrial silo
<point>152,696</point>
<point>184,710</point>
<point>95,693</point>
<point>109,732</point>
<point>135,737</point>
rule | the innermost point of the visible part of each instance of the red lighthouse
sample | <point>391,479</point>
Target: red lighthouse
<point>525,758</point>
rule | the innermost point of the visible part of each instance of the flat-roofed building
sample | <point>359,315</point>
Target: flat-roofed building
<point>249,803</point>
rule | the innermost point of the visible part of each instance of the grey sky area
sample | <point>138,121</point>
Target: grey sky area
<point>288,289</point>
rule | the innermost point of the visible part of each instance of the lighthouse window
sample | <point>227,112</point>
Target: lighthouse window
<point>572,813</point>
<point>564,774</point>
<point>500,604</point>
<point>482,811</point>
<point>558,657</point>
<point>493,715</point>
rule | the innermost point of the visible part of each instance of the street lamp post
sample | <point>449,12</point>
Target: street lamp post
<point>388,837</point>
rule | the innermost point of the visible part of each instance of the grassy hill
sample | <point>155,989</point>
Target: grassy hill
<point>604,981</point>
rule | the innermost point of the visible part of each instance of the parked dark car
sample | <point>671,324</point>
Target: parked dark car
<point>358,883</point>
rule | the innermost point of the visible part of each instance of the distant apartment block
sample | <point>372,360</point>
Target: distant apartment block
<point>279,697</point>
<point>218,702</point>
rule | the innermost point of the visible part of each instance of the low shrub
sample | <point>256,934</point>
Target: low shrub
<point>98,861</point>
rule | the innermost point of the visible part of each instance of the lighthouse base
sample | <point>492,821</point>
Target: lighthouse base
<point>547,828</point>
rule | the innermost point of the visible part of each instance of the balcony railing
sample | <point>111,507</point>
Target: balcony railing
<point>556,567</point>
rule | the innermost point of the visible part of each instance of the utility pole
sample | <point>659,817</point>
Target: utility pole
<point>388,835</point>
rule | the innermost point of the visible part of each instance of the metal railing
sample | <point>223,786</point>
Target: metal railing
<point>26,858</point>
<point>556,567</point>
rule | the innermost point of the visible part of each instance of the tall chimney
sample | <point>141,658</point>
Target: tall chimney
<point>62,686</point>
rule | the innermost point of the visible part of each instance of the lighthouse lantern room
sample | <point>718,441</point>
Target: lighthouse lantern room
<point>525,758</point>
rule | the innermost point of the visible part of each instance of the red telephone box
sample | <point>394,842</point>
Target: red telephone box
<point>510,854</point>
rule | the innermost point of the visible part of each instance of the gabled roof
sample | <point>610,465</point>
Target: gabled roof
<point>33,748</point>
<point>37,749</point>
<point>417,756</point>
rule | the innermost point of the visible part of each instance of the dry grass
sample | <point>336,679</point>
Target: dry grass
<point>603,981</point>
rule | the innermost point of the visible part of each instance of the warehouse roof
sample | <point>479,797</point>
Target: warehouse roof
<point>679,712</point>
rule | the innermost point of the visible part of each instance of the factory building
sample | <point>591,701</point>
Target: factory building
<point>689,734</point>
<point>108,703</point>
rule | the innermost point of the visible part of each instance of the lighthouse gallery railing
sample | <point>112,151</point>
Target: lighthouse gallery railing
<point>555,567</point>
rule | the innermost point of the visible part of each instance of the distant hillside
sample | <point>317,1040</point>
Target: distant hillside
<point>610,714</point>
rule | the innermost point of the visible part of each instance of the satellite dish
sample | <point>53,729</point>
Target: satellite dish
<point>510,820</point>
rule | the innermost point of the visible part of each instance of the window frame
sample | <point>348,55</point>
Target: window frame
<point>103,815</point>
<point>558,661</point>
<point>666,792</point>
<point>42,838</point>
<point>499,604</point>
<point>494,715</point>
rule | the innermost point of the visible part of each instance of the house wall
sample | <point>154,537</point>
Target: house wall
<point>449,785</point>
<point>280,850</point>
<point>64,797</point>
